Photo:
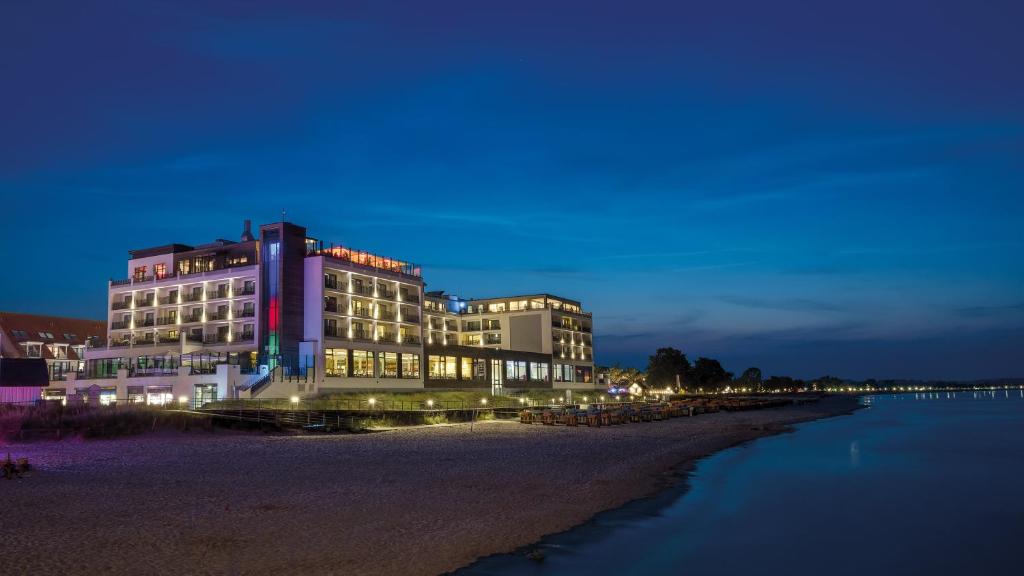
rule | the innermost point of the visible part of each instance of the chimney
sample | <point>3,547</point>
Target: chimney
<point>247,232</point>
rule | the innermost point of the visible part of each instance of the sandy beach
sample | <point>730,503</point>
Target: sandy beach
<point>410,501</point>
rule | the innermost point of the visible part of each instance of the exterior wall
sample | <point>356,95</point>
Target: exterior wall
<point>183,384</point>
<point>169,304</point>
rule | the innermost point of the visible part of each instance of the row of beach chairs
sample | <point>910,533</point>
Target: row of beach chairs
<point>613,414</point>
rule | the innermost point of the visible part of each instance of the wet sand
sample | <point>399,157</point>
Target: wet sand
<point>408,501</point>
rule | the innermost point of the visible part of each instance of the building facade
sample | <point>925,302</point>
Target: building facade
<point>281,314</point>
<point>61,342</point>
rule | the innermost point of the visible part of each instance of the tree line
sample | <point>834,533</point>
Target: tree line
<point>670,368</point>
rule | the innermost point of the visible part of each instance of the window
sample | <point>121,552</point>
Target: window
<point>515,370</point>
<point>362,364</point>
<point>140,273</point>
<point>33,350</point>
<point>563,373</point>
<point>492,325</point>
<point>69,337</point>
<point>584,374</point>
<point>336,361</point>
<point>410,365</point>
<point>441,367</point>
<point>466,369</point>
<point>539,371</point>
<point>388,364</point>
<point>160,270</point>
<point>471,340</point>
<point>517,305</point>
<point>19,334</point>
<point>499,307</point>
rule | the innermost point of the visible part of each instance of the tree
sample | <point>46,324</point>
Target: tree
<point>708,373</point>
<point>665,365</point>
<point>751,378</point>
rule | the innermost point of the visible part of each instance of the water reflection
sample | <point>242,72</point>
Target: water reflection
<point>939,475</point>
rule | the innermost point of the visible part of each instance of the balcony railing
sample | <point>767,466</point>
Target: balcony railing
<point>124,304</point>
<point>144,302</point>
<point>331,332</point>
<point>188,318</point>
<point>364,290</point>
<point>246,292</point>
<point>387,316</point>
<point>196,297</point>
<point>410,339</point>
<point>169,340</point>
<point>243,313</point>
<point>410,298</point>
<point>331,284</point>
<point>385,293</point>
<point>120,325</point>
<point>362,335</point>
<point>120,344</point>
<point>387,337</point>
<point>213,316</point>
<point>331,307</point>
<point>492,339</point>
<point>411,318</point>
<point>163,300</point>
<point>362,313</point>
<point>247,337</point>
<point>216,294</point>
<point>197,338</point>
<point>144,323</point>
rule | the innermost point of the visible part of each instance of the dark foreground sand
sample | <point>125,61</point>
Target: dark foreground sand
<point>414,501</point>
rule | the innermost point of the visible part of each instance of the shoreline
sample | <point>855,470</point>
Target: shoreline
<point>677,486</point>
<point>423,501</point>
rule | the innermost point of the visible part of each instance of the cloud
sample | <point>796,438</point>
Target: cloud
<point>986,311</point>
<point>788,304</point>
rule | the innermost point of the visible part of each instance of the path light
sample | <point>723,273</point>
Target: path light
<point>561,399</point>
<point>373,401</point>
<point>295,399</point>
<point>430,403</point>
<point>183,400</point>
<point>483,401</point>
<point>552,400</point>
<point>522,400</point>
<point>602,398</point>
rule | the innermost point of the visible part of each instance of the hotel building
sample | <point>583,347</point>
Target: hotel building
<point>283,314</point>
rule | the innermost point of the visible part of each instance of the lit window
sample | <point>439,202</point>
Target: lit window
<point>515,370</point>
<point>336,361</point>
<point>410,365</point>
<point>389,364</point>
<point>362,364</point>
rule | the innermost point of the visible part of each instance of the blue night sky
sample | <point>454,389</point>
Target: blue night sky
<point>805,188</point>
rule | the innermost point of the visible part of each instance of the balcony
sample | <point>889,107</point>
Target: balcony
<point>387,337</point>
<point>144,303</point>
<point>216,294</point>
<point>410,339</point>
<point>194,338</point>
<point>386,316</point>
<point>120,343</point>
<point>123,305</point>
<point>196,297</point>
<point>245,313</point>
<point>247,337</point>
<point>189,318</point>
<point>331,306</point>
<point>331,332</point>
<point>145,323</point>
<point>215,339</point>
<point>331,283</point>
<point>214,316</point>
<point>164,300</point>
<point>362,313</point>
<point>386,293</point>
<point>410,298</point>
<point>246,292</point>
<point>362,336</point>
<point>492,339</point>
<point>169,340</point>
<point>411,318</point>
<point>120,325</point>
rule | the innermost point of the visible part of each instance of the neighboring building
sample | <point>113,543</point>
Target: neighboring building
<point>22,380</point>
<point>284,314</point>
<point>60,341</point>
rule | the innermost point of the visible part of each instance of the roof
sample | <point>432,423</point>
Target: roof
<point>526,297</point>
<point>23,372</point>
<point>16,327</point>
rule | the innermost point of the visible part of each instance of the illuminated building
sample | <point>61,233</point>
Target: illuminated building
<point>282,314</point>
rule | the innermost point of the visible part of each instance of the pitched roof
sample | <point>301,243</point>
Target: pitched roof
<point>16,327</point>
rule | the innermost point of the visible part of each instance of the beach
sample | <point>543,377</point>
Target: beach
<point>423,500</point>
